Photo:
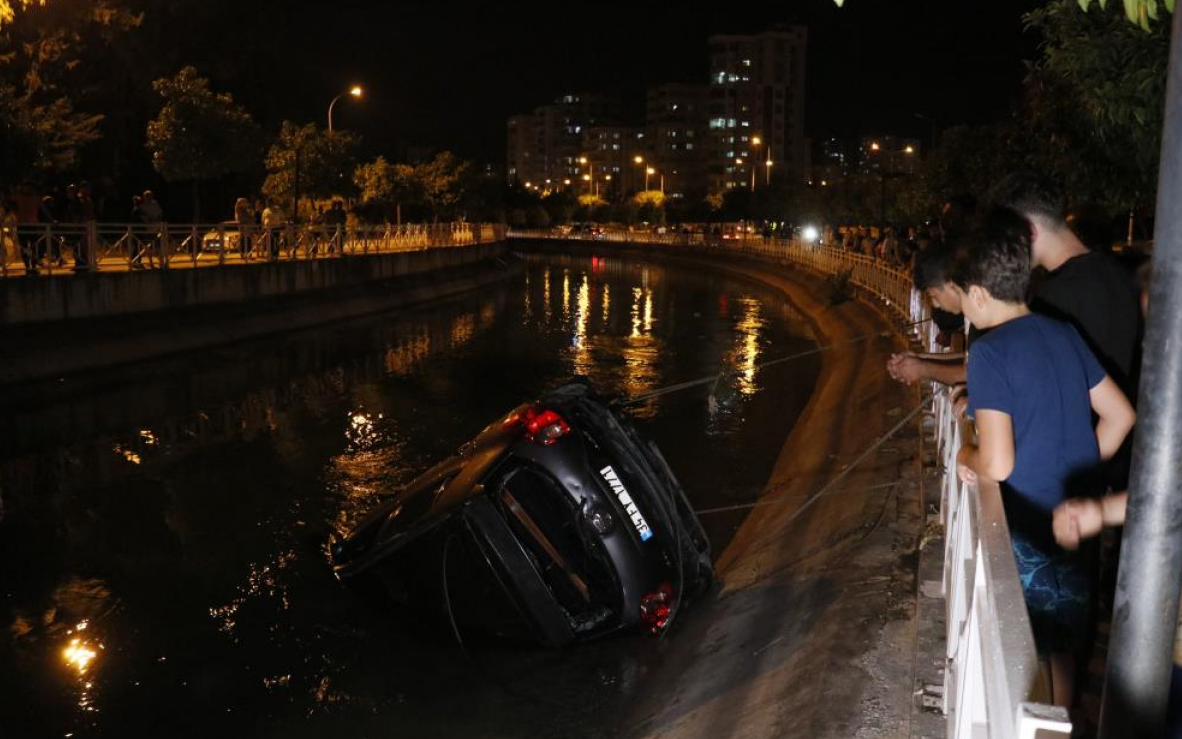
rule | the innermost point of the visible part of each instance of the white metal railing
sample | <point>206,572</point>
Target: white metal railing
<point>48,249</point>
<point>993,686</point>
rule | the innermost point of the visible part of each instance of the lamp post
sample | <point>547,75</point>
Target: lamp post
<point>884,174</point>
<point>755,142</point>
<point>354,91</point>
<point>589,178</point>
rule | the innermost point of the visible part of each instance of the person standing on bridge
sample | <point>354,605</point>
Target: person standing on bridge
<point>1033,387</point>
<point>933,279</point>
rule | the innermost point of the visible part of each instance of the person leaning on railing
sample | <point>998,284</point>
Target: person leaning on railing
<point>932,279</point>
<point>1033,387</point>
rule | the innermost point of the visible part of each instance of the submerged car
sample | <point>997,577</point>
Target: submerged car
<point>556,523</point>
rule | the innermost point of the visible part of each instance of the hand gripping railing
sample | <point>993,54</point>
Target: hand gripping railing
<point>48,249</point>
<point>993,685</point>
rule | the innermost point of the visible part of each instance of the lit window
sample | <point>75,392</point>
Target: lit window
<point>688,147</point>
<point>746,62</point>
<point>720,78</point>
<point>673,107</point>
<point>615,147</point>
<point>730,123</point>
<point>717,123</point>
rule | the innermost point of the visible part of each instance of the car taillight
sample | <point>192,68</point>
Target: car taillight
<point>655,609</point>
<point>540,425</point>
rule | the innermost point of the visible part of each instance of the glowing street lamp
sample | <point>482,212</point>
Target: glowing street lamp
<point>884,174</point>
<point>354,91</point>
<point>755,142</point>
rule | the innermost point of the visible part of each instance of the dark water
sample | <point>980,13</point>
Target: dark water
<point>162,562</point>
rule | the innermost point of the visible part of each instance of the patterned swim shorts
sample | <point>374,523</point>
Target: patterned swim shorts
<point>1058,590</point>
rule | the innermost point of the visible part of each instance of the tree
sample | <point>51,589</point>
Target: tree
<point>387,187</point>
<point>1094,101</point>
<point>441,180</point>
<point>324,163</point>
<point>40,137</point>
<point>42,71</point>
<point>1140,12</point>
<point>199,134</point>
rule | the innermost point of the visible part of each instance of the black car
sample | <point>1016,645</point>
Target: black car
<point>557,522</point>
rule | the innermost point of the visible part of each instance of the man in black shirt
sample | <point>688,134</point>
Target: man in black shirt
<point>1087,289</point>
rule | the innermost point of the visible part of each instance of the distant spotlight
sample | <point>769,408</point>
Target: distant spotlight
<point>810,234</point>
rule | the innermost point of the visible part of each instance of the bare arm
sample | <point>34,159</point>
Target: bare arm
<point>910,368</point>
<point>1082,518</point>
<point>1116,416</point>
<point>993,455</point>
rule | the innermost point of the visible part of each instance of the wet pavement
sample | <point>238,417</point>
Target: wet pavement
<point>162,566</point>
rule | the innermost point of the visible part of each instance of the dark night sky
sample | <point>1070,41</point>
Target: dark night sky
<point>446,74</point>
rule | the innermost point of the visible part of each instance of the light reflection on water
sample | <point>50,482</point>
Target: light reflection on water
<point>212,511</point>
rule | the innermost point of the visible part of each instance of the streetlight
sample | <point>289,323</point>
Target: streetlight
<point>884,174</point>
<point>755,141</point>
<point>649,172</point>
<point>354,91</point>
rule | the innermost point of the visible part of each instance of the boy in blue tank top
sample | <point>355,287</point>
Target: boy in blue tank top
<point>1033,387</point>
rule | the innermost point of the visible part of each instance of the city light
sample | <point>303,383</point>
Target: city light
<point>874,146</point>
<point>355,91</point>
<point>810,234</point>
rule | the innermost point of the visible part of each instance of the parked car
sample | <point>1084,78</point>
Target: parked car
<point>556,523</point>
<point>224,238</point>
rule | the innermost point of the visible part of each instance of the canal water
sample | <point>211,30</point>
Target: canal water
<point>163,526</point>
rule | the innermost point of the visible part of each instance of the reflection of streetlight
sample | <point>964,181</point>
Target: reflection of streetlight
<point>355,91</point>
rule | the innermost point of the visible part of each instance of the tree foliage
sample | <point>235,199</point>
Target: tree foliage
<point>199,134</point>
<point>42,74</point>
<point>327,162</point>
<point>387,188</point>
<point>442,180</point>
<point>1094,101</point>
<point>1141,12</point>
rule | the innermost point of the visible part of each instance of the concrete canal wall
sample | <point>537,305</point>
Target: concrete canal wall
<point>25,301</point>
<point>52,327</point>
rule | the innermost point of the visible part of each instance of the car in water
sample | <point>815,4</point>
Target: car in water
<point>557,523</point>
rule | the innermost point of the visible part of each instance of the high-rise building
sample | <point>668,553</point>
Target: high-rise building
<point>611,151</point>
<point>746,126</point>
<point>675,121</point>
<point>524,163</point>
<point>543,148</point>
<point>757,92</point>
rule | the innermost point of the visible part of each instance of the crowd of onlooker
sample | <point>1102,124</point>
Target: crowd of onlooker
<point>27,210</point>
<point>1044,354</point>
